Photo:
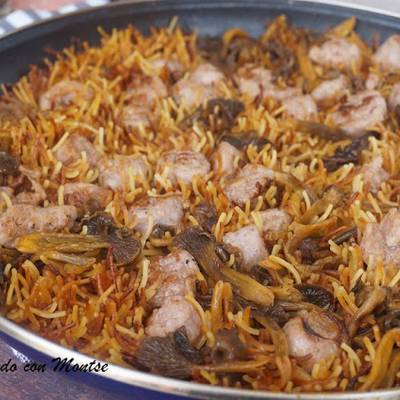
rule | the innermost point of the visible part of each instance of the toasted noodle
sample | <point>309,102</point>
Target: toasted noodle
<point>161,208</point>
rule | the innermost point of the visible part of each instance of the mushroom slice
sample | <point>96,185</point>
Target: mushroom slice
<point>9,165</point>
<point>317,295</point>
<point>228,347</point>
<point>202,246</point>
<point>206,215</point>
<point>125,247</point>
<point>171,356</point>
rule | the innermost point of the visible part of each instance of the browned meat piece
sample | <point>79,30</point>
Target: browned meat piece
<point>388,54</point>
<point>253,81</point>
<point>176,275</point>
<point>372,82</point>
<point>224,158</point>
<point>328,92</point>
<point>313,335</point>
<point>337,52</point>
<point>275,220</point>
<point>183,165</point>
<point>394,97</point>
<point>115,172</point>
<point>145,91</point>
<point>374,175</point>
<point>175,313</point>
<point>201,84</point>
<point>360,112</point>
<point>247,183</point>
<point>21,219</point>
<point>134,116</point>
<point>173,66</point>
<point>301,107</point>
<point>86,197</point>
<point>250,243</point>
<point>164,210</point>
<point>70,150</point>
<point>383,240</point>
<point>32,192</point>
<point>141,97</point>
<point>65,93</point>
<point>256,82</point>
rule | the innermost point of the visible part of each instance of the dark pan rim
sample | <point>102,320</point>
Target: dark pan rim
<point>166,4</point>
<point>146,380</point>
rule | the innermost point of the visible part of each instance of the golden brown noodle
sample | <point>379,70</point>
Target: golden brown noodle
<point>89,309</point>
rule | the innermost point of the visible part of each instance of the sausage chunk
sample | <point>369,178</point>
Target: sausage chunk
<point>176,275</point>
<point>20,220</point>
<point>63,94</point>
<point>173,314</point>
<point>337,52</point>
<point>383,240</point>
<point>201,84</point>
<point>374,175</point>
<point>247,183</point>
<point>308,337</point>
<point>361,112</point>
<point>250,243</point>
<point>165,210</point>
<point>388,54</point>
<point>224,158</point>
<point>86,196</point>
<point>71,150</point>
<point>115,172</point>
<point>183,166</point>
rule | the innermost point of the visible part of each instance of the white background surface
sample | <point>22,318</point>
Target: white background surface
<point>390,5</point>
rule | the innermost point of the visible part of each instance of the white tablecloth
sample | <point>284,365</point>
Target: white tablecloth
<point>20,18</point>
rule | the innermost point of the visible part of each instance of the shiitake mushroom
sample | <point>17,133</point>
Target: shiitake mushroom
<point>348,154</point>
<point>172,356</point>
<point>125,248</point>
<point>159,231</point>
<point>262,275</point>
<point>99,223</point>
<point>102,234</point>
<point>9,165</point>
<point>202,246</point>
<point>282,59</point>
<point>206,215</point>
<point>317,295</point>
<point>345,236</point>
<point>228,347</point>
<point>308,249</point>
<point>390,320</point>
<point>244,139</point>
<point>321,130</point>
<point>219,114</point>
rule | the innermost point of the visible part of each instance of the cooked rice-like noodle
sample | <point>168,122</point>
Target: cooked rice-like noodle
<point>85,300</point>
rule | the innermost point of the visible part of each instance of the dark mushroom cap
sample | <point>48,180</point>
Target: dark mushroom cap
<point>9,165</point>
<point>317,295</point>
<point>172,356</point>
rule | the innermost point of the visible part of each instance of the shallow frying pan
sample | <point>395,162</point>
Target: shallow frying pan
<point>25,47</point>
